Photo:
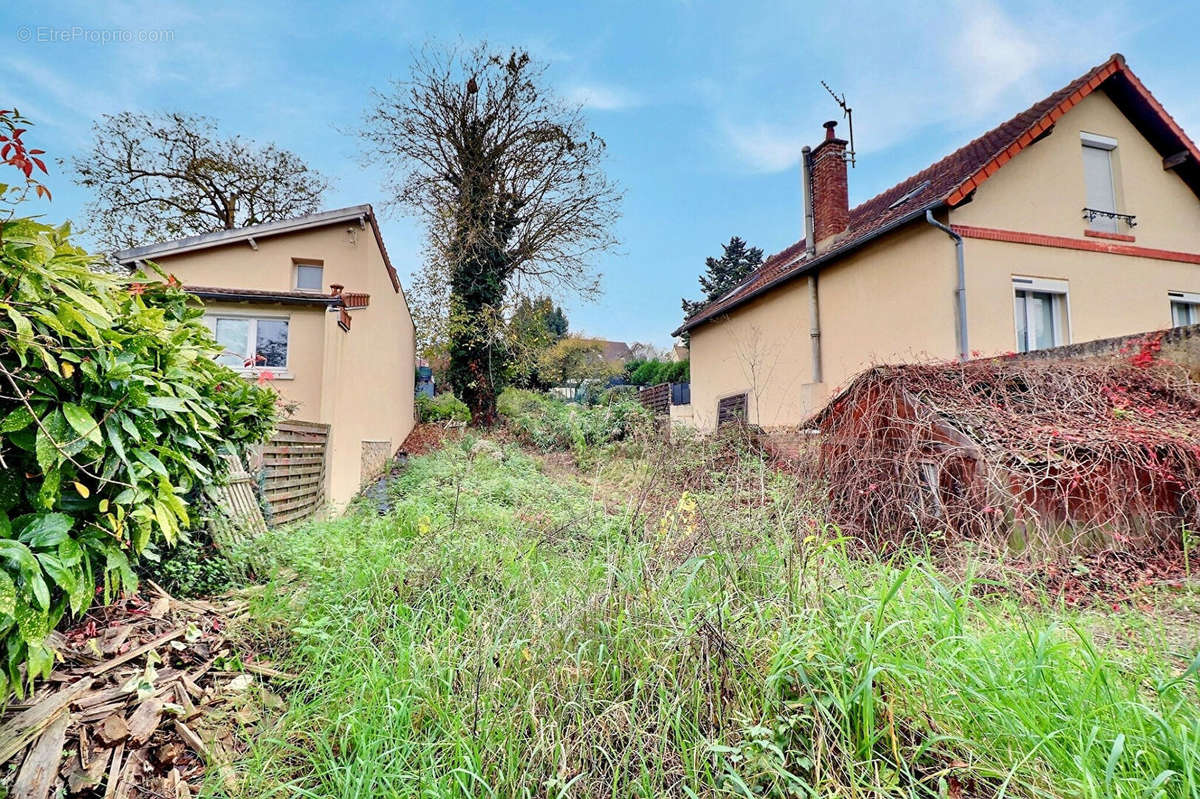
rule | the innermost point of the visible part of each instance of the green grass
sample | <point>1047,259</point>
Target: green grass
<point>501,635</point>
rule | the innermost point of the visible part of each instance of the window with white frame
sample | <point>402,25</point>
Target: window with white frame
<point>1100,181</point>
<point>310,276</point>
<point>1185,308</point>
<point>251,342</point>
<point>1040,312</point>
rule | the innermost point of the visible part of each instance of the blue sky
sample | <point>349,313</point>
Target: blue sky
<point>704,105</point>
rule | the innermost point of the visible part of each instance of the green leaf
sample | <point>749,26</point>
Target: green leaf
<point>24,330</point>
<point>173,404</point>
<point>82,421</point>
<point>166,521</point>
<point>69,552</point>
<point>152,462</point>
<point>18,419</point>
<point>46,449</point>
<point>21,559</point>
<point>33,623</point>
<point>8,594</point>
<point>45,529</point>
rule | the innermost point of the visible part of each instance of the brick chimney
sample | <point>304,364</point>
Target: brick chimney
<point>830,194</point>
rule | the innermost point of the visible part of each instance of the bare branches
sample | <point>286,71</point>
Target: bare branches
<point>508,181</point>
<point>161,177</point>
<point>506,167</point>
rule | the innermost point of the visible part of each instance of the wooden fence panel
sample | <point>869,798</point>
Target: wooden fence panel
<point>293,463</point>
<point>239,518</point>
<point>657,399</point>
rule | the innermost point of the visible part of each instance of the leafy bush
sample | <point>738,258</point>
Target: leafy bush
<point>192,568</point>
<point>550,424</point>
<point>442,408</point>
<point>113,415</point>
<point>653,372</point>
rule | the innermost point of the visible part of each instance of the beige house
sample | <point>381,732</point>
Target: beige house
<point>315,306</point>
<point>1077,219</point>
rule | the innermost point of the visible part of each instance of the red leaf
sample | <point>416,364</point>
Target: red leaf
<point>41,165</point>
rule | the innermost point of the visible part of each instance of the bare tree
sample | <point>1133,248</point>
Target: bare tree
<point>508,181</point>
<point>160,177</point>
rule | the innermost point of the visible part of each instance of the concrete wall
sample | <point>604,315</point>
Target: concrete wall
<point>893,301</point>
<point>360,382</point>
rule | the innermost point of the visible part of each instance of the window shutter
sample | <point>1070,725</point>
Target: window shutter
<point>1098,178</point>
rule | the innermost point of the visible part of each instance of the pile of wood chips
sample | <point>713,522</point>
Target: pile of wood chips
<point>147,696</point>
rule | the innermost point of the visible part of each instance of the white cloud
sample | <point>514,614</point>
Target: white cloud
<point>764,147</point>
<point>602,97</point>
<point>915,68</point>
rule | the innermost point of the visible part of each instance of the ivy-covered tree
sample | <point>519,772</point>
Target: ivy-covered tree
<point>508,179</point>
<point>165,176</point>
<point>722,274</point>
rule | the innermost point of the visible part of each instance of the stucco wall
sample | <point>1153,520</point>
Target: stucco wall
<point>1042,191</point>
<point>360,382</point>
<point>1107,295</point>
<point>371,384</point>
<point>893,301</point>
<point>301,382</point>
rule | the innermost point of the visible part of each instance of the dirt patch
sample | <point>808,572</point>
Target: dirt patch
<point>429,436</point>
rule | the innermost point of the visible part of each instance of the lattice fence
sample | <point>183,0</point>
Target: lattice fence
<point>239,517</point>
<point>293,467</point>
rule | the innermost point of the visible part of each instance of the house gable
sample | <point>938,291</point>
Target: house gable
<point>1042,189</point>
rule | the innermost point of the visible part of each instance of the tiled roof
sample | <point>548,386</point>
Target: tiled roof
<point>951,181</point>
<point>361,213</point>
<point>616,351</point>
<point>260,295</point>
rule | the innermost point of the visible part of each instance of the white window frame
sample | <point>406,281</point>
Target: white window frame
<point>1184,298</point>
<point>279,373</point>
<point>313,263</point>
<point>1042,285</point>
<point>1097,141</point>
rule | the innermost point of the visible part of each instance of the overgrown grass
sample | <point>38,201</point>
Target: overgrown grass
<point>546,423</point>
<point>501,635</point>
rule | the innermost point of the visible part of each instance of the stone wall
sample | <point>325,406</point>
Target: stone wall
<point>1177,345</point>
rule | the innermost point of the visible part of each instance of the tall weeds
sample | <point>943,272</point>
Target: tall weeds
<point>722,643</point>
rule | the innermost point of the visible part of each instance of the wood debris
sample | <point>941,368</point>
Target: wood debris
<point>147,696</point>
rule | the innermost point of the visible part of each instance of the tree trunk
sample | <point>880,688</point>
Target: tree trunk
<point>476,364</point>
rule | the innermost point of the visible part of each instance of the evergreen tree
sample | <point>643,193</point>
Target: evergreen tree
<point>724,273</point>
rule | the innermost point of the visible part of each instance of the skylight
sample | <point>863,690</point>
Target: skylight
<point>909,195</point>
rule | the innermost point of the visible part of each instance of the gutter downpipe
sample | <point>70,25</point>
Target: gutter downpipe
<point>960,292</point>
<point>810,246</point>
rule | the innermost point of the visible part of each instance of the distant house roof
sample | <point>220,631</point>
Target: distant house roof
<point>616,351</point>
<point>363,214</point>
<point>952,180</point>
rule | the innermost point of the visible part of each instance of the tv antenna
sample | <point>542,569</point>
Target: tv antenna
<point>847,112</point>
